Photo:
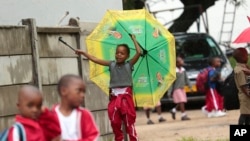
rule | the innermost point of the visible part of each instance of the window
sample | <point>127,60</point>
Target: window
<point>196,48</point>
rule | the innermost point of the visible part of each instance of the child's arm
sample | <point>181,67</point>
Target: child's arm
<point>53,131</point>
<point>187,81</point>
<point>93,58</point>
<point>170,90</point>
<point>213,75</point>
<point>246,71</point>
<point>241,80</point>
<point>90,131</point>
<point>138,51</point>
<point>244,89</point>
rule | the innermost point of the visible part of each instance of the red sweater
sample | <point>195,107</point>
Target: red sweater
<point>49,124</point>
<point>32,129</point>
<point>44,129</point>
<point>89,130</point>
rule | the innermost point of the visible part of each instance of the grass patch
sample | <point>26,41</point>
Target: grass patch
<point>197,139</point>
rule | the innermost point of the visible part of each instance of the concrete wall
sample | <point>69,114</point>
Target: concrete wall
<point>33,55</point>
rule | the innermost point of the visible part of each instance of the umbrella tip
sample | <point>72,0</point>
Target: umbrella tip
<point>60,38</point>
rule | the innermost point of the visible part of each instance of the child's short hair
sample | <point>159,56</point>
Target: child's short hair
<point>178,57</point>
<point>126,46</point>
<point>211,60</point>
<point>65,80</point>
<point>237,54</point>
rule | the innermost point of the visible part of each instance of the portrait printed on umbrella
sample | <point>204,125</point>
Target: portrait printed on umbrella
<point>159,79</point>
<point>156,32</point>
<point>113,32</point>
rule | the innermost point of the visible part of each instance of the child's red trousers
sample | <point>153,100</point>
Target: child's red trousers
<point>121,109</point>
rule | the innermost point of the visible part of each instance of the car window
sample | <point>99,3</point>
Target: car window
<point>196,48</point>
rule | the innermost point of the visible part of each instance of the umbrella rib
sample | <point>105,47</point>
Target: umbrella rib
<point>151,91</point>
<point>127,31</point>
<point>115,19</point>
<point>138,66</point>
<point>145,50</point>
<point>119,23</point>
<point>159,44</point>
<point>100,73</point>
<point>135,74</point>
<point>157,61</point>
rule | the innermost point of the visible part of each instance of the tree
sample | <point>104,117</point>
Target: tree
<point>186,19</point>
<point>192,11</point>
<point>190,15</point>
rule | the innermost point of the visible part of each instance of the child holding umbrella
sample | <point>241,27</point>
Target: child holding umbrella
<point>121,107</point>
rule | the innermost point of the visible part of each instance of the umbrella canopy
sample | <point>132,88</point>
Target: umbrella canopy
<point>244,36</point>
<point>155,70</point>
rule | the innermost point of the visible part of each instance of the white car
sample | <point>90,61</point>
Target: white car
<point>196,48</point>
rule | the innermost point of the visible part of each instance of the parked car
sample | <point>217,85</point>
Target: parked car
<point>196,48</point>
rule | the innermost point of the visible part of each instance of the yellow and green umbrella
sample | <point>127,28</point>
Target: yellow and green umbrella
<point>155,70</point>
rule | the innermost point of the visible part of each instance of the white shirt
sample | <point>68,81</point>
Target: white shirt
<point>68,125</point>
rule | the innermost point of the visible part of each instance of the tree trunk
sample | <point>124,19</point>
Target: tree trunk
<point>192,10</point>
<point>186,19</point>
<point>133,4</point>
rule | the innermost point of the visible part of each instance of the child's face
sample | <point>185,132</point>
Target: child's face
<point>217,62</point>
<point>30,106</point>
<point>74,92</point>
<point>180,62</point>
<point>121,54</point>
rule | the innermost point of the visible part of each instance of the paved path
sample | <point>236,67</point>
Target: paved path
<point>199,127</point>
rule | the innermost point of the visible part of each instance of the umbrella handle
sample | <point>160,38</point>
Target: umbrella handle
<point>60,39</point>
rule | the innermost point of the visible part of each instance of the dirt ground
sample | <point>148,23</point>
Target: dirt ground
<point>199,127</point>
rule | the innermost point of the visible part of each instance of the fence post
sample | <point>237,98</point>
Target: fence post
<point>79,58</point>
<point>31,23</point>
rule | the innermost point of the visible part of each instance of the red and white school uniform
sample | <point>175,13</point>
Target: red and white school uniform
<point>33,130</point>
<point>214,101</point>
<point>78,126</point>
<point>49,124</point>
<point>121,109</point>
